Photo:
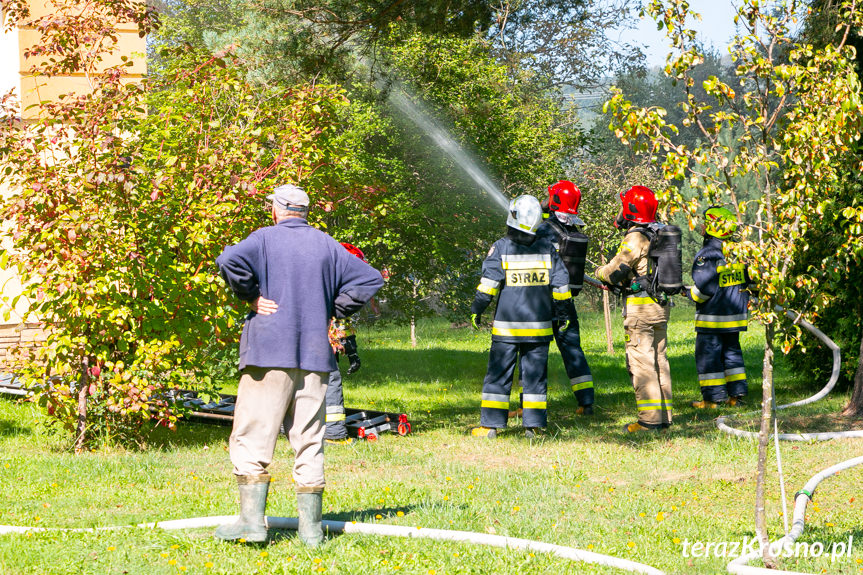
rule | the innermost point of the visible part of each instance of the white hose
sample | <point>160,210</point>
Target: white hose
<point>831,383</point>
<point>390,531</point>
<point>739,566</point>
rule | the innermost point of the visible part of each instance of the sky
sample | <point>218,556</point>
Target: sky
<point>716,27</point>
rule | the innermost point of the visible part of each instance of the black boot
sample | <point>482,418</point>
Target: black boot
<point>309,510</point>
<point>250,525</point>
<point>350,345</point>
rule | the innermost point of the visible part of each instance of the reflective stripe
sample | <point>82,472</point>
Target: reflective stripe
<point>332,417</point>
<point>495,404</point>
<point>711,382</point>
<point>534,400</point>
<point>525,261</point>
<point>639,300</point>
<point>714,375</point>
<point>561,296</point>
<point>584,382</point>
<point>521,328</point>
<point>489,282</point>
<point>698,296</point>
<point>521,332</point>
<point>655,407</point>
<point>575,287</point>
<point>561,289</point>
<point>495,401</point>
<point>486,289</point>
<point>720,324</point>
<point>522,324</point>
<point>735,371</point>
<point>735,377</point>
<point>534,405</point>
<point>335,409</point>
<point>721,318</point>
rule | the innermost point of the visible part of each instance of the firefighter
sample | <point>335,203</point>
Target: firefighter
<point>563,230</point>
<point>533,291</point>
<point>343,340</point>
<point>645,321</point>
<point>721,313</point>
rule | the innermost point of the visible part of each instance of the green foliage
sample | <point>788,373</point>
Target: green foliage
<point>124,198</point>
<point>789,132</point>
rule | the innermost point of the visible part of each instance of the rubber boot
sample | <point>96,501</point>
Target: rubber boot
<point>250,526</point>
<point>484,432</point>
<point>309,509</point>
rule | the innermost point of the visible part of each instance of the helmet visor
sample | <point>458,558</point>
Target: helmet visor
<point>569,219</point>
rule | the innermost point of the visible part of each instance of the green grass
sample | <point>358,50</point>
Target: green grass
<point>583,485</point>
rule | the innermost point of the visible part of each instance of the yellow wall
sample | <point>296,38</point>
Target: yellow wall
<point>31,89</point>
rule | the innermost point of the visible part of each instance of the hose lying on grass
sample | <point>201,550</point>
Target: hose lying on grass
<point>804,496</point>
<point>834,377</point>
<point>389,531</point>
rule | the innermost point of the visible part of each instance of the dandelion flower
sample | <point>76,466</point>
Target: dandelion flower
<point>264,554</point>
<point>630,544</point>
<point>676,540</point>
<point>642,514</point>
<point>112,548</point>
<point>378,516</point>
<point>660,516</point>
<point>590,546</point>
<point>208,564</point>
<point>400,513</point>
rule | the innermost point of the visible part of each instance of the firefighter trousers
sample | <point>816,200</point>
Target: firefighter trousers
<point>719,361</point>
<point>580,378</point>
<point>648,367</point>
<point>533,371</point>
<point>335,408</point>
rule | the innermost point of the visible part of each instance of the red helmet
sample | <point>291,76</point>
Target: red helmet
<point>639,205</point>
<point>354,250</point>
<point>564,196</point>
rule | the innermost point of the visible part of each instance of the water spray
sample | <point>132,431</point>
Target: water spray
<point>446,143</point>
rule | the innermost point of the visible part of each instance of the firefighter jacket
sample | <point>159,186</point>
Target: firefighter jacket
<point>532,286</point>
<point>629,263</point>
<point>571,245</point>
<point>721,304</point>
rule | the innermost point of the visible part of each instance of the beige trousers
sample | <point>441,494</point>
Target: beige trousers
<point>649,370</point>
<point>267,398</point>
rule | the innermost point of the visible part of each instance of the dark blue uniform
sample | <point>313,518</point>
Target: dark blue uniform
<point>721,313</point>
<point>528,279</point>
<point>569,340</point>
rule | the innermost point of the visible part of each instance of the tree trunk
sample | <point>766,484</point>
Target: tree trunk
<point>83,390</point>
<point>763,442</point>
<point>413,331</point>
<point>606,311</point>
<point>855,406</point>
<point>606,306</point>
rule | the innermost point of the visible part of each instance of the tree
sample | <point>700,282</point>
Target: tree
<point>794,124</point>
<point>564,42</point>
<point>125,195</point>
<point>840,316</point>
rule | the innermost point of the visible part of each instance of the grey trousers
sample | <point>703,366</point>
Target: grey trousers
<point>266,399</point>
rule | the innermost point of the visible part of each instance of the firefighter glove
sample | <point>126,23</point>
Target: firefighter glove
<point>474,320</point>
<point>350,345</point>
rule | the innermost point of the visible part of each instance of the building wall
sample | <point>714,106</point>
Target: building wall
<point>22,331</point>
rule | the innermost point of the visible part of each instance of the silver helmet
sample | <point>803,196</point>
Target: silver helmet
<point>525,214</point>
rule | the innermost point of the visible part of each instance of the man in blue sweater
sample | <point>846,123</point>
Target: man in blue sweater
<point>295,278</point>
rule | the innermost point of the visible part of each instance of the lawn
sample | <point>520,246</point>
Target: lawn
<point>583,485</point>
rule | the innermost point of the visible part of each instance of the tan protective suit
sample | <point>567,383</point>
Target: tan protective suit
<point>646,332</point>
